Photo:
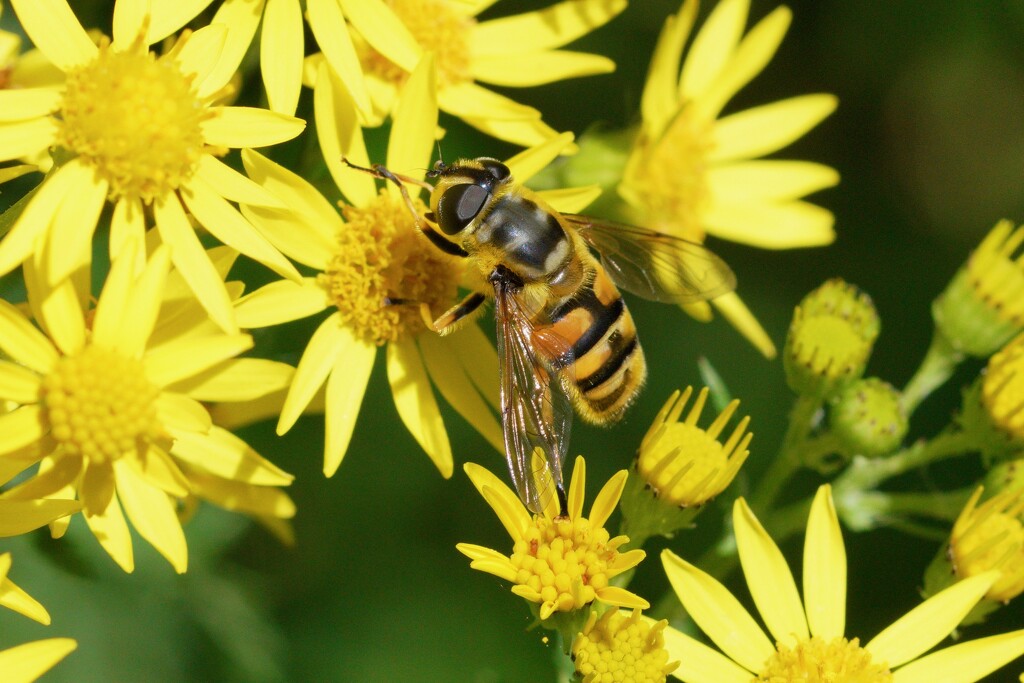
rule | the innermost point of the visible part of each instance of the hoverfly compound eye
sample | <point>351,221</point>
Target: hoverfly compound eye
<point>459,205</point>
<point>498,170</point>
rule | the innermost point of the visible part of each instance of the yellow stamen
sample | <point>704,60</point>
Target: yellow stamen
<point>819,661</point>
<point>618,648</point>
<point>134,118</point>
<point>382,256</point>
<point>99,404</point>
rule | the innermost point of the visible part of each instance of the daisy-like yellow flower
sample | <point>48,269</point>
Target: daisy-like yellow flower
<point>374,45</point>
<point>807,640</point>
<point>142,132</point>
<point>26,663</point>
<point>1002,389</point>
<point>109,401</point>
<point>371,252</point>
<point>693,172</point>
<point>559,563</point>
<point>991,536</point>
<point>621,647</point>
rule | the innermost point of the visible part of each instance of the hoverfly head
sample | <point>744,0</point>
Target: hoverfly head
<point>463,190</point>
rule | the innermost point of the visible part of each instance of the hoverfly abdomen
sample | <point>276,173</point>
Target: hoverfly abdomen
<point>606,367</point>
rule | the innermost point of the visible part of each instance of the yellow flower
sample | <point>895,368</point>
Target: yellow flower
<point>807,641</point>
<point>991,536</point>
<point>621,648</point>
<point>373,46</point>
<point>560,563</point>
<point>693,174</point>
<point>27,662</point>
<point>1002,389</point>
<point>373,251</point>
<point>109,401</point>
<point>685,465</point>
<point>142,132</point>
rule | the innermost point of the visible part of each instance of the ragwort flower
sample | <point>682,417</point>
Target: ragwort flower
<point>370,253</point>
<point>809,641</point>
<point>142,132</point>
<point>560,563</point>
<point>621,647</point>
<point>693,172</point>
<point>374,45</point>
<point>109,404</point>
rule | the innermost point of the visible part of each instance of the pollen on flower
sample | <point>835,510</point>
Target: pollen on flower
<point>817,660</point>
<point>562,563</point>
<point>99,404</point>
<point>135,119</point>
<point>620,648</point>
<point>666,179</point>
<point>437,29</point>
<point>381,255</point>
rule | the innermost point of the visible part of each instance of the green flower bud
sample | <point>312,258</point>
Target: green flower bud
<point>983,306</point>
<point>868,418</point>
<point>829,339</point>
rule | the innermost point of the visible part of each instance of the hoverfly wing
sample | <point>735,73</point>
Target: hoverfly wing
<point>536,414</point>
<point>654,265</point>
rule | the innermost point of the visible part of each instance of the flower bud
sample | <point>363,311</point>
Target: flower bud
<point>868,419</point>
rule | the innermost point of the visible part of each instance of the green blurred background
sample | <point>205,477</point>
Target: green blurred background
<point>929,141</point>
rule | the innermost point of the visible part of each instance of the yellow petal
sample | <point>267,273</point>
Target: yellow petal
<point>469,100</point>
<point>620,597</point>
<point>965,662</point>
<point>825,569</point>
<point>768,128</point>
<point>225,223</point>
<point>11,172</point>
<point>111,530</point>
<point>537,68</point>
<point>110,309</point>
<point>923,627</point>
<point>530,162</point>
<point>18,383</point>
<point>242,497</point>
<point>608,498</point>
<point>53,28</point>
<point>479,361</point>
<point>180,413</point>
<point>771,226</point>
<point>769,579</point>
<point>249,127</point>
<point>129,20</point>
<point>167,17</point>
<point>157,468</point>
<point>21,516</point>
<point>331,33</point>
<point>542,29</point>
<point>697,662</point>
<point>718,613</point>
<point>26,138</point>
<point>448,374</point>
<point>25,663</point>
<point>712,47</point>
<point>192,262</point>
<point>416,405</point>
<point>233,186</point>
<point>577,488</point>
<point>768,180</point>
<point>239,379</point>
<point>503,500</point>
<point>57,308</point>
<point>326,345</point>
<point>23,342</point>
<point>201,51</point>
<point>223,454</point>
<point>143,305</point>
<point>340,135</point>
<point>740,317</point>
<point>281,52</point>
<point>21,427</point>
<point>411,143</point>
<point>384,31</point>
<point>187,357</point>
<point>522,132</point>
<point>660,100</point>
<point>29,103</point>
<point>153,515</point>
<point>279,302</point>
<point>128,226</point>
<point>307,230</point>
<point>241,20</point>
<point>571,199</point>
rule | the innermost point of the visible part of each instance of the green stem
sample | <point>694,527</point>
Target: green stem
<point>788,460</point>
<point>938,365</point>
<point>865,474</point>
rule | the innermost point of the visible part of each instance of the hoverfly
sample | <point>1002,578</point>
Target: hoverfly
<point>565,337</point>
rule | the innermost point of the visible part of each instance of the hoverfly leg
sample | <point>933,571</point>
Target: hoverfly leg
<point>441,243</point>
<point>453,316</point>
<point>563,501</point>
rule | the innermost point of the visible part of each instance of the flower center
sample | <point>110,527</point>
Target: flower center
<point>1002,390</point>
<point>618,648</point>
<point>684,461</point>
<point>671,179</point>
<point>566,561</point>
<point>99,404</point>
<point>135,119</point>
<point>819,661</point>
<point>438,29</point>
<point>381,255</point>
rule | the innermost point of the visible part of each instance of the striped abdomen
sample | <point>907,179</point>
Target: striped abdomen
<point>607,367</point>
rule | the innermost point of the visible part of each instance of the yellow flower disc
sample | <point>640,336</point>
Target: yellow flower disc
<point>437,29</point>
<point>1002,389</point>
<point>619,648</point>
<point>135,119</point>
<point>819,661</point>
<point>381,255</point>
<point>99,404</point>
